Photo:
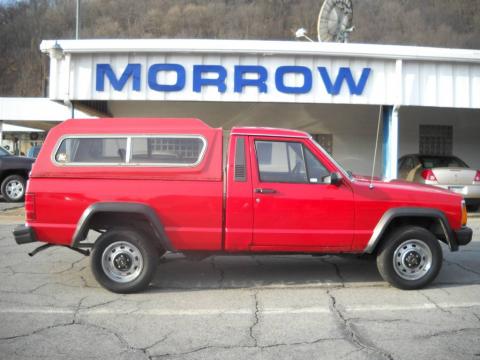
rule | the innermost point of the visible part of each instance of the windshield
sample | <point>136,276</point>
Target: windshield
<point>3,152</point>
<point>346,173</point>
<point>430,162</point>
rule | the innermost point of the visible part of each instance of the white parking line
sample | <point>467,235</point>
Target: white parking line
<point>215,312</point>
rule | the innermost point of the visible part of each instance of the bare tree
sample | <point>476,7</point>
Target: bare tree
<point>23,24</point>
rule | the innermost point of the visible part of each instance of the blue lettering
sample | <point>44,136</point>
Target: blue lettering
<point>156,68</point>
<point>105,70</point>
<point>344,74</point>
<point>259,82</point>
<point>216,76</point>
<point>280,83</point>
<point>199,81</point>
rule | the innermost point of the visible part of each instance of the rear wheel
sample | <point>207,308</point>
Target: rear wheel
<point>13,188</point>
<point>410,258</point>
<point>124,261</point>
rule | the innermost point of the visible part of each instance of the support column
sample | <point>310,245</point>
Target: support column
<point>390,142</point>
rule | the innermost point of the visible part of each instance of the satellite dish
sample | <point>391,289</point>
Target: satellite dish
<point>335,20</point>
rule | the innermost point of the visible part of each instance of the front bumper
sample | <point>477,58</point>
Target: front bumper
<point>463,236</point>
<point>24,235</point>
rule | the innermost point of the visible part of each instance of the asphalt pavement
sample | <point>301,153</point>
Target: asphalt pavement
<point>245,307</point>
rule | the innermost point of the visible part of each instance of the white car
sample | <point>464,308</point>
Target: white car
<point>448,172</point>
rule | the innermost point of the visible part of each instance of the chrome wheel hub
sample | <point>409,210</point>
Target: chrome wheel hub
<point>412,259</point>
<point>14,189</point>
<point>122,262</point>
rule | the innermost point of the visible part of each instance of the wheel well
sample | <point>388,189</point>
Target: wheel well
<point>104,221</point>
<point>432,224</point>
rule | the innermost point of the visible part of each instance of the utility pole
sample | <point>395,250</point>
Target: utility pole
<point>77,22</point>
<point>77,30</point>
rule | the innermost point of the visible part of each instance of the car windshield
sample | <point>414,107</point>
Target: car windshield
<point>348,174</point>
<point>3,152</point>
<point>430,162</point>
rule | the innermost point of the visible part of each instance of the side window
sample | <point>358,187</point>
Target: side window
<point>411,163</point>
<point>167,150</point>
<point>416,162</point>
<point>407,164</point>
<point>92,150</point>
<point>317,173</point>
<point>281,161</point>
<point>175,151</point>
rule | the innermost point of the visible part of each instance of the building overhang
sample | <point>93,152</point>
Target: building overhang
<point>262,71</point>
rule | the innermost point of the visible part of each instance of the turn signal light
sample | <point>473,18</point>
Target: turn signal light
<point>464,213</point>
<point>477,176</point>
<point>428,175</point>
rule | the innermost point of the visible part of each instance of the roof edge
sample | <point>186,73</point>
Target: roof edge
<point>266,48</point>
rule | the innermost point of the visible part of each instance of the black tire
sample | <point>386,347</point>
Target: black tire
<point>137,259</point>
<point>13,188</point>
<point>418,257</point>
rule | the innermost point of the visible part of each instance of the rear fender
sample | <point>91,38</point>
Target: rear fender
<point>84,223</point>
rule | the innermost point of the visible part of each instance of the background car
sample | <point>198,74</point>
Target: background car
<point>14,172</point>
<point>448,172</point>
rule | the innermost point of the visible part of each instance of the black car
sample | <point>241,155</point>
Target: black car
<point>14,172</point>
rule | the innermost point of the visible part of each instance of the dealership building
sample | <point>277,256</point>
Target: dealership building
<point>420,100</point>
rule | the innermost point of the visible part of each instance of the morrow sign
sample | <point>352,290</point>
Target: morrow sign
<point>255,76</point>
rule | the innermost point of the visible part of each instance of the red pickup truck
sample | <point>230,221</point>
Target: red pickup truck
<point>132,189</point>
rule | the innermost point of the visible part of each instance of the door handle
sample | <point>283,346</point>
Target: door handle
<point>265,191</point>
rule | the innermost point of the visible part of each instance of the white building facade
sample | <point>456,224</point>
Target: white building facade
<point>427,99</point>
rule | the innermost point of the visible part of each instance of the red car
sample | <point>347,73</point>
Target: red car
<point>141,187</point>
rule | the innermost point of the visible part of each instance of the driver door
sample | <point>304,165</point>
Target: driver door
<point>295,206</point>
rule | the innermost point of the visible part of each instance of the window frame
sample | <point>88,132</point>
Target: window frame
<point>128,150</point>
<point>289,140</point>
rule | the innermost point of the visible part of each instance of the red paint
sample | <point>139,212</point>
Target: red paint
<point>191,204</point>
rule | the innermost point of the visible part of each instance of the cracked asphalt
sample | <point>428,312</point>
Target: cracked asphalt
<point>246,307</point>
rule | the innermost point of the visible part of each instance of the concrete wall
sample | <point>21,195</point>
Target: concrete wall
<point>353,127</point>
<point>466,130</point>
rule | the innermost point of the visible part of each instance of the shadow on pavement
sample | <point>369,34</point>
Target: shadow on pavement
<point>175,272</point>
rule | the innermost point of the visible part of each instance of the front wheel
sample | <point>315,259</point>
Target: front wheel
<point>410,258</point>
<point>124,261</point>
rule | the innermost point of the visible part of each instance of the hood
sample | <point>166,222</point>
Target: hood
<point>403,185</point>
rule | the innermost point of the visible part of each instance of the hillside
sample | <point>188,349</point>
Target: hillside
<point>23,24</point>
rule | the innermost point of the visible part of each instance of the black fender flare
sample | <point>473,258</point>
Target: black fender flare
<point>396,213</point>
<point>121,207</point>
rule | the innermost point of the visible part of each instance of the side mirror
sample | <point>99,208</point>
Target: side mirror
<point>335,178</point>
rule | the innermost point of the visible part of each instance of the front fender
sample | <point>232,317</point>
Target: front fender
<point>396,213</point>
